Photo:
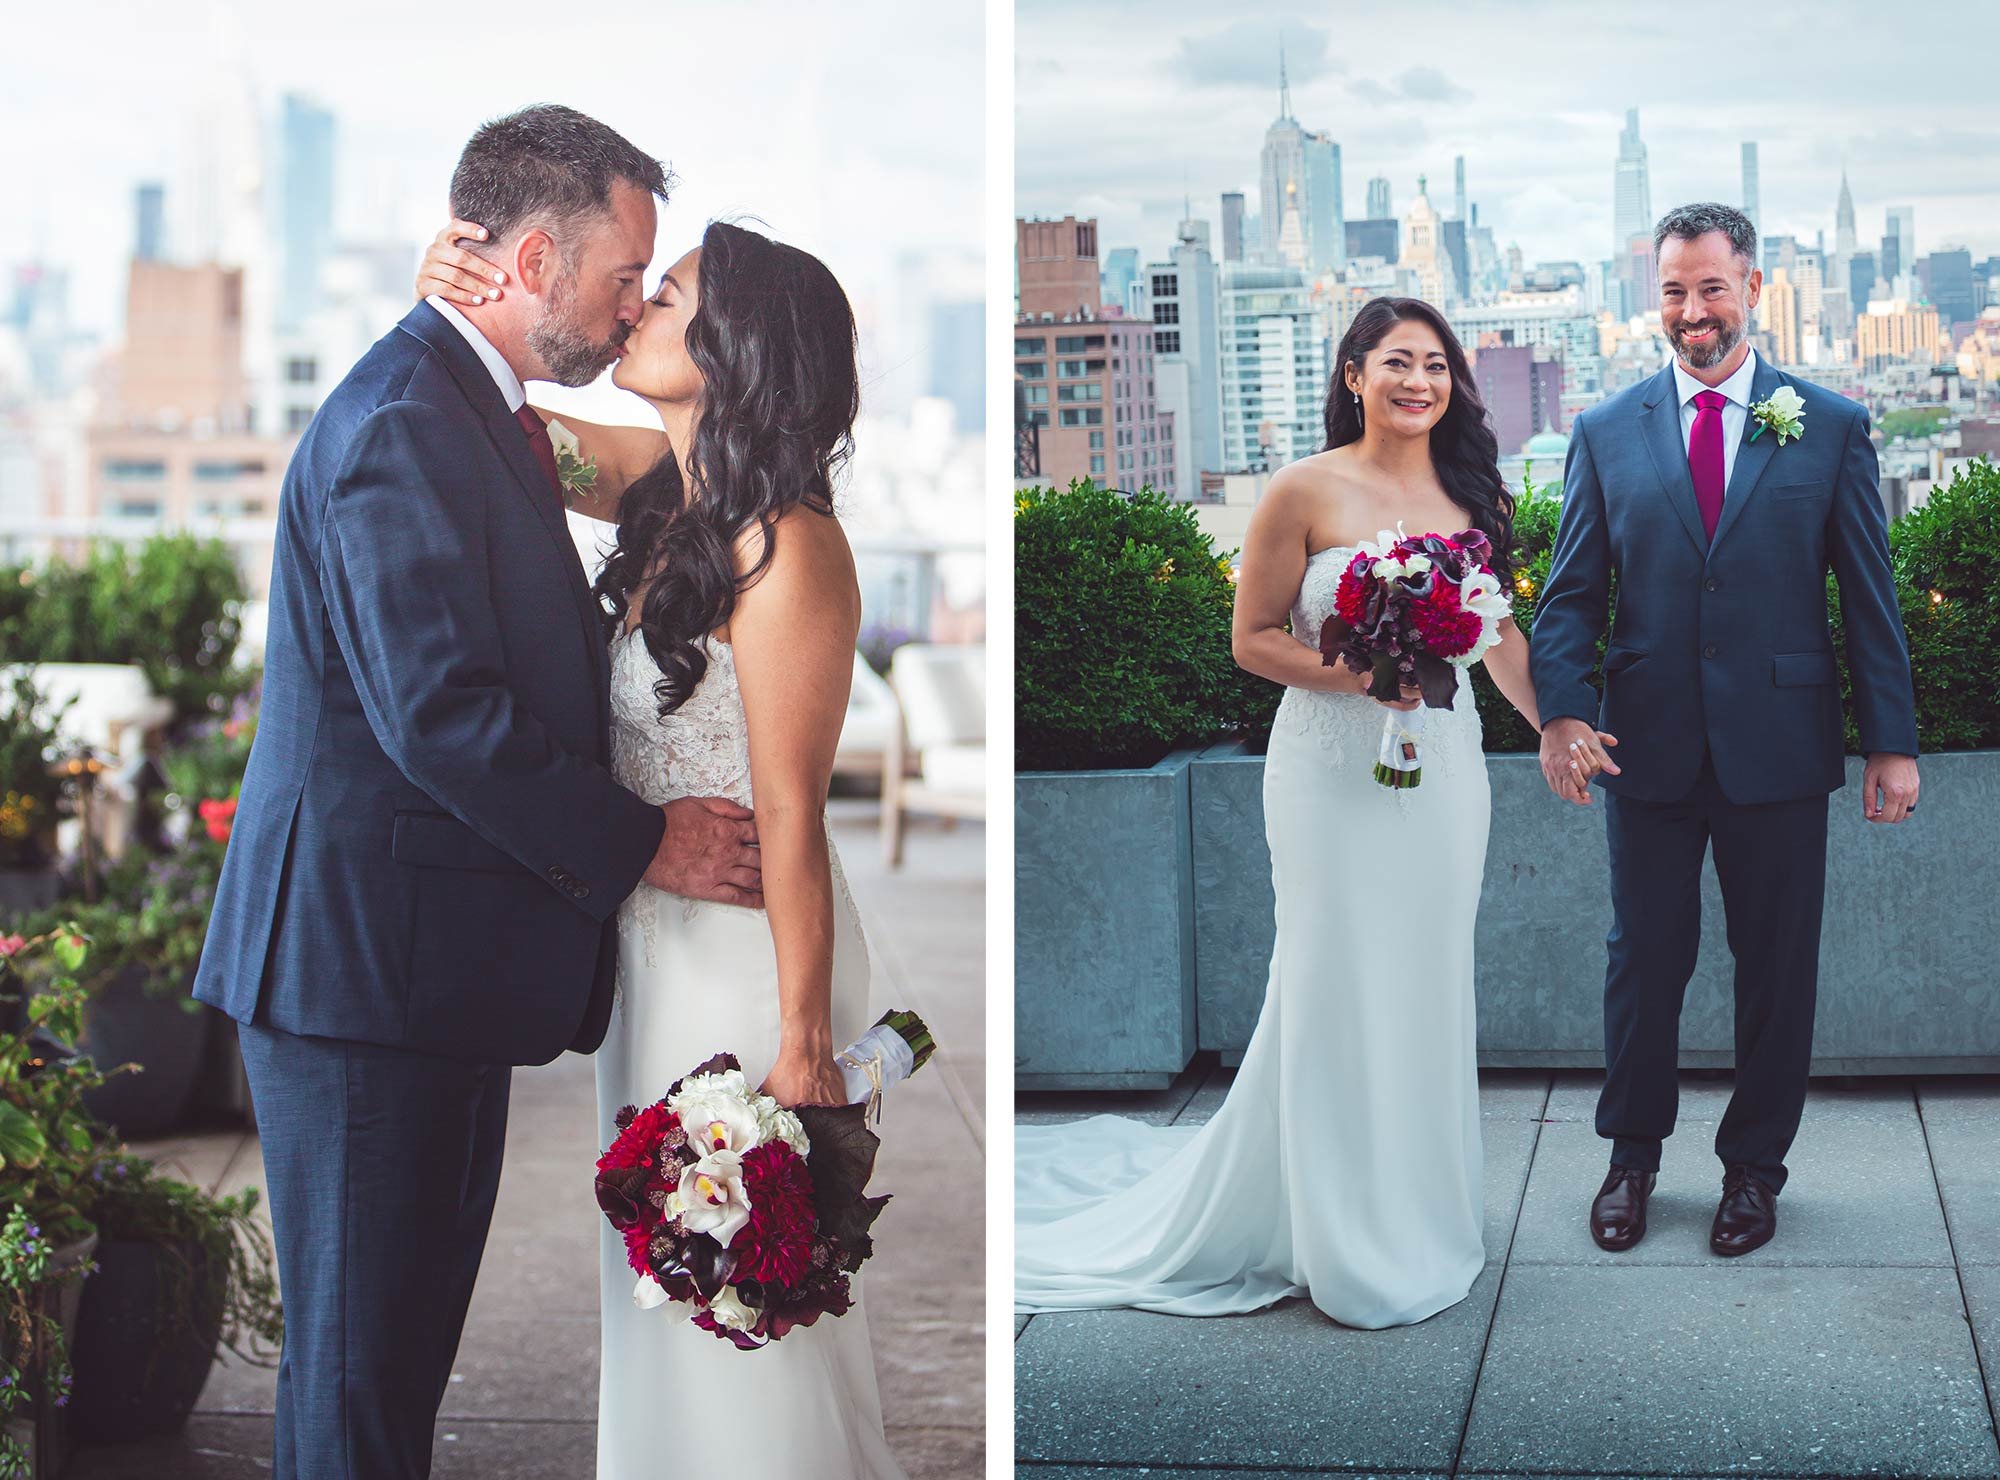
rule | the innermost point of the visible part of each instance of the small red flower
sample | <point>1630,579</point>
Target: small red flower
<point>9,944</point>
<point>638,1143</point>
<point>775,1247</point>
<point>219,816</point>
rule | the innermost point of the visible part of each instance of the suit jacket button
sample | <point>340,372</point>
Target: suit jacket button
<point>579,891</point>
<point>1712,585</point>
<point>1709,651</point>
<point>556,874</point>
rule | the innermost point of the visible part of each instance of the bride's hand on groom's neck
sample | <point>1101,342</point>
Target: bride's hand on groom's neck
<point>456,275</point>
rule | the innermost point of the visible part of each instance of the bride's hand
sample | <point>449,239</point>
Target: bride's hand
<point>454,274</point>
<point>1413,697</point>
<point>801,1078</point>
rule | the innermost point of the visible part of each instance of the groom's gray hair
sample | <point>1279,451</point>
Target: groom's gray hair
<point>547,166</point>
<point>1689,222</point>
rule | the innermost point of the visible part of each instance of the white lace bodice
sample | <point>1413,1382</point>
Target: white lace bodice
<point>1351,724</point>
<point>702,749</point>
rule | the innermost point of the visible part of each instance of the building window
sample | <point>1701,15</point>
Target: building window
<point>1082,416</point>
<point>1031,346</point>
<point>1169,341</point>
<point>1036,395</point>
<point>1097,463</point>
<point>1166,313</point>
<point>1077,369</point>
<point>1032,369</point>
<point>127,470</point>
<point>298,418</point>
<point>1165,285</point>
<point>1076,344</point>
<point>138,509</point>
<point>227,472</point>
<point>1088,391</point>
<point>1096,440</point>
<point>1038,418</point>
<point>301,372</point>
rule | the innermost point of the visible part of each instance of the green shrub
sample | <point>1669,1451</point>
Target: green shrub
<point>1121,629</point>
<point>30,798</point>
<point>170,605</point>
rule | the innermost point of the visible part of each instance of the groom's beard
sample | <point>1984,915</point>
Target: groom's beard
<point>570,355</point>
<point>1713,352</point>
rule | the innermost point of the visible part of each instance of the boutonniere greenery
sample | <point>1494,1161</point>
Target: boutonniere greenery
<point>577,474</point>
<point>1783,411</point>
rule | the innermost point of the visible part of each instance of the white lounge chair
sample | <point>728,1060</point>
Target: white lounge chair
<point>936,761</point>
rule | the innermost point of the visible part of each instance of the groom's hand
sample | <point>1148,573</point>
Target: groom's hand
<point>1572,753</point>
<point>1889,787</point>
<point>709,851</point>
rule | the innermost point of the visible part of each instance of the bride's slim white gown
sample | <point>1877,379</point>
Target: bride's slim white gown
<point>1345,1163</point>
<point>696,979</point>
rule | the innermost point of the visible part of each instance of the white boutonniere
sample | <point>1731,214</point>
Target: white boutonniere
<point>1783,411</point>
<point>578,475</point>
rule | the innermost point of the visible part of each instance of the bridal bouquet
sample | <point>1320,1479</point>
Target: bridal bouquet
<point>1414,611</point>
<point>750,1214</point>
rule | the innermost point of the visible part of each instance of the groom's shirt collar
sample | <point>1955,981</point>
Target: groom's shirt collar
<point>1736,388</point>
<point>495,363</point>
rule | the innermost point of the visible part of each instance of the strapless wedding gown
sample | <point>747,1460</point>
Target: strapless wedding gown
<point>1345,1163</point>
<point>696,979</point>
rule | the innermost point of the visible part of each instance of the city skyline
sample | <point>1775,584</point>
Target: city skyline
<point>1540,137</point>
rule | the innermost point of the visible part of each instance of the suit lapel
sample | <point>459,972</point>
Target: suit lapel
<point>427,324</point>
<point>1752,458</point>
<point>1660,421</point>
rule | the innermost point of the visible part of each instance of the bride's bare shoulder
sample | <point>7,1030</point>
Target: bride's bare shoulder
<point>1312,492</point>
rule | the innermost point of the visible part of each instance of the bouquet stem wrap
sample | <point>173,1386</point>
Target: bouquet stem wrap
<point>1400,762</point>
<point>891,1051</point>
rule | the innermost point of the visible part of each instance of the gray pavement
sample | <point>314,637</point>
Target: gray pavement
<point>1864,1340</point>
<point>523,1404</point>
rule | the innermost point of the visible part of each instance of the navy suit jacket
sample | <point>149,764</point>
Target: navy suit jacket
<point>429,850</point>
<point>1723,646</point>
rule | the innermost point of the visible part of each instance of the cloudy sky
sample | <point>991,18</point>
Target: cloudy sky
<point>1123,107</point>
<point>805,115</point>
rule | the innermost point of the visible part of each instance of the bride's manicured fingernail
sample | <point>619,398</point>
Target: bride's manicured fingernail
<point>478,297</point>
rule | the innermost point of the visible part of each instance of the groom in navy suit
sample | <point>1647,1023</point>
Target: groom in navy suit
<point>1721,695</point>
<point>430,849</point>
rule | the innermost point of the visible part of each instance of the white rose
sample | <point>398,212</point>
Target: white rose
<point>731,1313</point>
<point>563,438</point>
<point>776,1123</point>
<point>711,1198</point>
<point>1787,402</point>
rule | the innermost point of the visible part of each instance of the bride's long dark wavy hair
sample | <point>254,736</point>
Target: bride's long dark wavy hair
<point>773,338</point>
<point>1464,449</point>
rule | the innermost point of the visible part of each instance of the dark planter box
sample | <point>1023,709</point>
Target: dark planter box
<point>1907,984</point>
<point>125,1023</point>
<point>1104,927</point>
<point>145,1340</point>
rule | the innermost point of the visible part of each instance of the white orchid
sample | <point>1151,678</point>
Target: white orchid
<point>717,1122</point>
<point>1479,593</point>
<point>711,1198</point>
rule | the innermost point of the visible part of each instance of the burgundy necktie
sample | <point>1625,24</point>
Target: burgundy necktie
<point>545,450</point>
<point>1704,456</point>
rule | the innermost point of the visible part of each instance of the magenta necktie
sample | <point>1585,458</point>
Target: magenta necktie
<point>545,451</point>
<point>1705,456</point>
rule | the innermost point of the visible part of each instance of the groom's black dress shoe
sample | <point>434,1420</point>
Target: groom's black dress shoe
<point>1747,1215</point>
<point>1618,1214</point>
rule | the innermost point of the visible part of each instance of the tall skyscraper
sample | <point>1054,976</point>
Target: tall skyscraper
<point>1891,265</point>
<point>305,205</point>
<point>1232,226</point>
<point>1632,192</point>
<point>1750,205</point>
<point>1274,360</point>
<point>1423,252</point>
<point>1952,288</point>
<point>1378,198</point>
<point>1843,220</point>
<point>1300,170</point>
<point>1903,227</point>
<point>1458,183</point>
<point>1184,291</point>
<point>1121,273</point>
<point>149,237</point>
<point>1779,311</point>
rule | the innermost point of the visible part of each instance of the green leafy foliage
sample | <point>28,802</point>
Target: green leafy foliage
<point>1121,628</point>
<point>170,604</point>
<point>30,798</point>
<point>1912,421</point>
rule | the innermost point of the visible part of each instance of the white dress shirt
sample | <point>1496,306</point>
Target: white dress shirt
<point>495,363</point>
<point>1735,413</point>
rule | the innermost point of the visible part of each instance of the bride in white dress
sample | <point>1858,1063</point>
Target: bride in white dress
<point>739,617</point>
<point>1345,1163</point>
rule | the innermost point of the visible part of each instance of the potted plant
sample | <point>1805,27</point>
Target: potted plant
<point>30,799</point>
<point>48,1147</point>
<point>178,1273</point>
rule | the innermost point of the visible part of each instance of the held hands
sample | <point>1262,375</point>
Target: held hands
<point>1572,753</point>
<point>709,851</point>
<point>805,1076</point>
<point>455,275</point>
<point>1889,787</point>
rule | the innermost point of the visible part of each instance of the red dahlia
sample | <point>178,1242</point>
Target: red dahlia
<point>1350,598</point>
<point>775,1247</point>
<point>639,1141</point>
<point>1447,628</point>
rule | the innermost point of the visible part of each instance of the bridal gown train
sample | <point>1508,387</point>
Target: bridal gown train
<point>696,979</point>
<point>1345,1162</point>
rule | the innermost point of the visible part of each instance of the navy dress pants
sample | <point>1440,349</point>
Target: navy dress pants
<point>1771,862</point>
<point>382,1166</point>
